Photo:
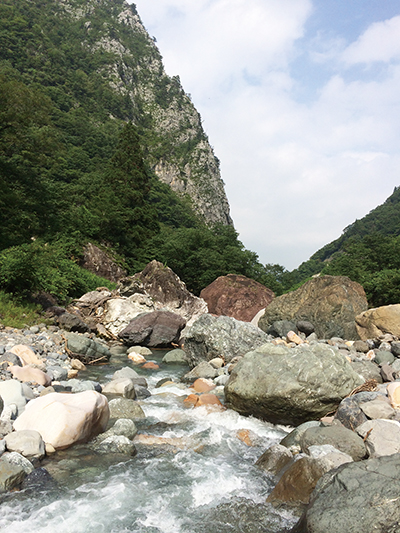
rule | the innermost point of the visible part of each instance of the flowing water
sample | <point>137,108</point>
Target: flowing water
<point>205,483</point>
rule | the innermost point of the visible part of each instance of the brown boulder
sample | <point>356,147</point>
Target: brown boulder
<point>101,263</point>
<point>236,296</point>
<point>330,303</point>
<point>156,329</point>
<point>375,322</point>
<point>166,289</point>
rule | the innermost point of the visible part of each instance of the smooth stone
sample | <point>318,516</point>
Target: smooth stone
<point>26,354</point>
<point>176,356</point>
<point>393,390</point>
<point>274,459</point>
<point>293,438</point>
<point>203,370</point>
<point>122,387</point>
<point>28,443</point>
<point>31,374</point>
<point>125,408</point>
<point>125,372</point>
<point>66,419</point>
<point>11,392</point>
<point>11,475</point>
<point>382,437</point>
<point>383,357</point>
<point>142,350</point>
<point>116,444</point>
<point>339,437</point>
<point>378,409</point>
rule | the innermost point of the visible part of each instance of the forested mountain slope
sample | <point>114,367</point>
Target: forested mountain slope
<point>98,144</point>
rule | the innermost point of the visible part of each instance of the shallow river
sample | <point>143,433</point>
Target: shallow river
<point>208,486</point>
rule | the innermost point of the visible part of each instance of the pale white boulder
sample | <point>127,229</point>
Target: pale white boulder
<point>120,311</point>
<point>66,419</point>
<point>26,354</point>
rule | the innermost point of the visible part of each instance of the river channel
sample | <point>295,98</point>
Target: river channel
<point>206,484</point>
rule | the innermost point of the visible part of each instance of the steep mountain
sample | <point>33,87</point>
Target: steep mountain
<point>95,60</point>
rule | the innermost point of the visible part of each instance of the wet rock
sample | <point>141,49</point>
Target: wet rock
<point>156,329</point>
<point>38,480</point>
<point>298,481</point>
<point>382,437</point>
<point>125,408</point>
<point>116,444</point>
<point>176,356</point>
<point>203,385</point>
<point>225,337</point>
<point>290,385</point>
<point>275,459</point>
<point>151,366</point>
<point>121,387</point>
<point>136,358</point>
<point>360,496</point>
<point>28,443</point>
<point>330,303</point>
<point>65,419</point>
<point>236,296</point>
<point>341,438</point>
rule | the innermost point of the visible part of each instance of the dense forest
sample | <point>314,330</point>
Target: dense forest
<point>75,161</point>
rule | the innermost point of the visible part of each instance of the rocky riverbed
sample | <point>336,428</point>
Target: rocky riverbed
<point>235,429</point>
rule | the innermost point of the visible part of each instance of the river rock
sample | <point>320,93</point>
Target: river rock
<point>298,481</point>
<point>341,438</point>
<point>116,444</point>
<point>378,409</point>
<point>293,438</point>
<point>12,393</point>
<point>26,354</point>
<point>71,322</point>
<point>280,328</point>
<point>362,496</point>
<point>274,459</point>
<point>202,370</point>
<point>176,356</point>
<point>66,419</point>
<point>393,390</point>
<point>125,408</point>
<point>382,437</point>
<point>11,475</point>
<point>290,385</point>
<point>85,349</point>
<point>223,336</point>
<point>349,413</point>
<point>28,443</point>
<point>166,290</point>
<point>156,329</point>
<point>373,323</point>
<point>121,387</point>
<point>330,303</point>
<point>29,373</point>
<point>367,369</point>
<point>236,296</point>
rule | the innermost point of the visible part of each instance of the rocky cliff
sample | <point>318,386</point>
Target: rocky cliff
<point>177,148</point>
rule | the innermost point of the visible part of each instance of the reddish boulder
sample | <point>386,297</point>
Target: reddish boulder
<point>236,296</point>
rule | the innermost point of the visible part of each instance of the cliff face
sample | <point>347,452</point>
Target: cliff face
<point>176,146</point>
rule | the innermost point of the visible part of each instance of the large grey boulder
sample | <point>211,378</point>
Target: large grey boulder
<point>87,350</point>
<point>357,497</point>
<point>330,303</point>
<point>156,329</point>
<point>221,336</point>
<point>290,385</point>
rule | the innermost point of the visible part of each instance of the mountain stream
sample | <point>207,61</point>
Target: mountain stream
<point>206,482</point>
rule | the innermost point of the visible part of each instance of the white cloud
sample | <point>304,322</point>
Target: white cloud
<point>380,42</point>
<point>296,174</point>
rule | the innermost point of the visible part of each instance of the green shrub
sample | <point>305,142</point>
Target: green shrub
<point>17,314</point>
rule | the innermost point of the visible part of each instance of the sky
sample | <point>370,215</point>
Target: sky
<point>300,100</point>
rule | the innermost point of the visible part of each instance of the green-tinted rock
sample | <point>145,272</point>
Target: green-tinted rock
<point>177,356</point>
<point>87,349</point>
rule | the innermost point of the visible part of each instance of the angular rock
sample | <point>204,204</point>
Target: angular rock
<point>362,496</point>
<point>330,303</point>
<point>378,409</point>
<point>156,329</point>
<point>116,444</point>
<point>236,296</point>
<point>71,322</point>
<point>331,457</point>
<point>203,370</point>
<point>349,412</point>
<point>373,323</point>
<point>28,443</point>
<point>225,337</point>
<point>11,475</point>
<point>12,393</point>
<point>167,290</point>
<point>382,437</point>
<point>290,385</point>
<point>341,438</point>
<point>86,349</point>
<point>66,419</point>
<point>101,263</point>
<point>120,311</point>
